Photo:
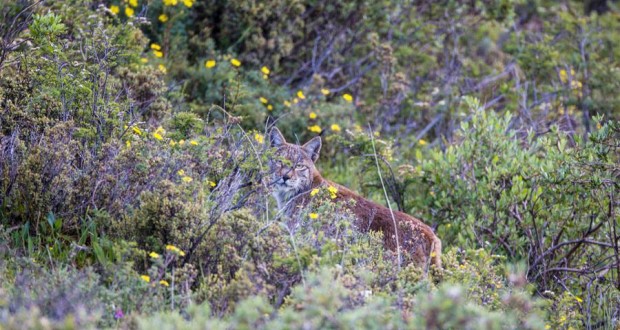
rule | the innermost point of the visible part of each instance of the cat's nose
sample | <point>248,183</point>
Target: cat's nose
<point>286,177</point>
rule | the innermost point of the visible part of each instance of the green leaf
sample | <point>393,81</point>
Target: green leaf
<point>58,223</point>
<point>51,219</point>
<point>99,254</point>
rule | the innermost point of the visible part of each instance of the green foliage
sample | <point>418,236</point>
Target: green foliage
<point>186,124</point>
<point>524,197</point>
<point>332,299</point>
<point>48,292</point>
<point>46,27</point>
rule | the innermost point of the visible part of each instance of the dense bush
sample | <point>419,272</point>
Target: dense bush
<point>538,200</point>
<point>134,177</point>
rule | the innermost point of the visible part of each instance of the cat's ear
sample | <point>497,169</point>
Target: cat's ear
<point>313,147</point>
<point>276,138</point>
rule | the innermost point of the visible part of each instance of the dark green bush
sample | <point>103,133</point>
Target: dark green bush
<point>537,200</point>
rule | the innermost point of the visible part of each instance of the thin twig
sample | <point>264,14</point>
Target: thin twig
<point>387,200</point>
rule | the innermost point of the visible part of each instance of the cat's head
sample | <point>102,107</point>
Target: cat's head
<point>292,166</point>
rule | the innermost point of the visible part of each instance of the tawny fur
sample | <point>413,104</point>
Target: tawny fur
<point>296,177</point>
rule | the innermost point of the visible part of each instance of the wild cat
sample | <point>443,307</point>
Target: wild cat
<point>295,178</point>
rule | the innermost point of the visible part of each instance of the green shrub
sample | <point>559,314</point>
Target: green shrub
<point>51,294</point>
<point>524,197</point>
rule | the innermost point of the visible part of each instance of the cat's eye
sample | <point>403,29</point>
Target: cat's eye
<point>300,167</point>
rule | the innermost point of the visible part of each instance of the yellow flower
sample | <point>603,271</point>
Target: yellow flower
<point>188,3</point>
<point>579,300</point>
<point>433,254</point>
<point>162,68</point>
<point>158,136</point>
<point>315,128</point>
<point>335,127</point>
<point>210,63</point>
<point>564,75</point>
<point>154,255</point>
<point>129,11</point>
<point>287,103</point>
<point>160,130</point>
<point>175,249</point>
<point>269,107</point>
<point>259,138</point>
<point>300,94</point>
<point>136,130</point>
<point>312,115</point>
<point>547,326</point>
<point>211,183</point>
<point>348,97</point>
<point>295,100</point>
<point>181,142</point>
<point>133,3</point>
<point>163,18</point>
<point>193,142</point>
<point>128,144</point>
<point>181,172</point>
<point>332,191</point>
<point>265,70</point>
<point>164,283</point>
<point>145,278</point>
<point>170,2</point>
<point>422,142</point>
<point>235,62</point>
<point>158,53</point>
<point>313,215</point>
<point>325,91</point>
<point>114,9</point>
<point>314,191</point>
<point>144,60</point>
<point>265,77</point>
<point>187,179</point>
<point>263,100</point>
<point>173,143</point>
<point>155,46</point>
